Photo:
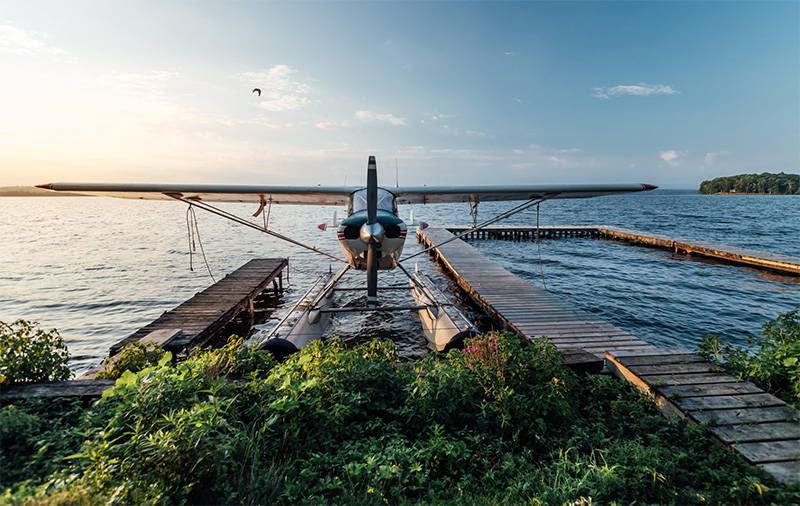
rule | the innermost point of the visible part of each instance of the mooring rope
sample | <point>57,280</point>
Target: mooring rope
<point>242,221</point>
<point>194,231</point>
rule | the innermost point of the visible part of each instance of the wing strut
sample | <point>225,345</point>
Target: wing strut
<point>511,212</point>
<point>242,221</point>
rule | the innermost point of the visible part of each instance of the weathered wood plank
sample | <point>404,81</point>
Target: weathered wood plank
<point>692,368</point>
<point>689,379</point>
<point>785,472</point>
<point>745,414</point>
<point>746,433</point>
<point>633,359</point>
<point>75,388</point>
<point>770,451</point>
<point>732,402</point>
<point>681,391</point>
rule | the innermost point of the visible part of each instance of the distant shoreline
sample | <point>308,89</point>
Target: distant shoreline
<point>32,191</point>
<point>743,193</point>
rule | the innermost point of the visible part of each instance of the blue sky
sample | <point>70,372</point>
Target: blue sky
<point>666,93</point>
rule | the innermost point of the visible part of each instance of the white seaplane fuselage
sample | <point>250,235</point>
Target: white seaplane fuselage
<point>389,233</point>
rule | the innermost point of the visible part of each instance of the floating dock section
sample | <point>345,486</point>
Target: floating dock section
<point>759,426</point>
<point>741,256</point>
<point>200,318</point>
<point>521,307</point>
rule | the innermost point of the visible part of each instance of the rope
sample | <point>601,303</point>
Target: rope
<point>194,231</point>
<point>190,233</point>
<point>539,247</point>
<point>242,221</point>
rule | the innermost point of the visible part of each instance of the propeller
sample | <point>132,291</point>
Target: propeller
<point>372,233</point>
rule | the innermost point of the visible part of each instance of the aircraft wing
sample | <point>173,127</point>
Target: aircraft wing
<point>446,194</point>
<point>309,195</point>
<point>339,195</point>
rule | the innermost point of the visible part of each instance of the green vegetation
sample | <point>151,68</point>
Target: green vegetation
<point>771,360</point>
<point>495,423</point>
<point>28,353</point>
<point>133,357</point>
<point>766,183</point>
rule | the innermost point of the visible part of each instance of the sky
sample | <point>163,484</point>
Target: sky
<point>666,93</point>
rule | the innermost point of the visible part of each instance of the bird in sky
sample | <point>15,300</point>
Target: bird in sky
<point>257,90</point>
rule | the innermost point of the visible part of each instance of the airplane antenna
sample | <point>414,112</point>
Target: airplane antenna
<point>539,247</point>
<point>396,177</point>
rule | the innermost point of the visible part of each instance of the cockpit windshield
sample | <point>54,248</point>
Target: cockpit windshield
<point>385,201</point>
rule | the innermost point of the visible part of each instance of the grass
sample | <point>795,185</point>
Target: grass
<point>495,423</point>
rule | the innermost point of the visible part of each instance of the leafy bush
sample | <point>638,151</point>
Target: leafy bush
<point>771,360</point>
<point>233,358</point>
<point>132,357</point>
<point>496,423</point>
<point>28,353</point>
<point>36,435</point>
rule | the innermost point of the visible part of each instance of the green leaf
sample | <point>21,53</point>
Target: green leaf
<point>166,359</point>
<point>127,379</point>
<point>790,361</point>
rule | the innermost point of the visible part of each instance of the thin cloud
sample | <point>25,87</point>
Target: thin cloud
<point>671,156</point>
<point>279,91</point>
<point>140,83</point>
<point>711,156</point>
<point>20,42</point>
<point>384,117</point>
<point>639,90</point>
<point>331,125</point>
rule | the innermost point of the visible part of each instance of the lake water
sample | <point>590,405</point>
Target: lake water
<point>98,269</point>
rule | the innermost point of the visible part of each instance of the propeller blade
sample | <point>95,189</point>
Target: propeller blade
<point>372,191</point>
<point>372,275</point>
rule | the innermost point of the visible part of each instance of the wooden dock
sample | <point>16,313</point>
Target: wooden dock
<point>521,307</point>
<point>204,315</point>
<point>757,425</point>
<point>740,256</point>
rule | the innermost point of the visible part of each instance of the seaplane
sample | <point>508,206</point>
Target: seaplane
<point>372,235</point>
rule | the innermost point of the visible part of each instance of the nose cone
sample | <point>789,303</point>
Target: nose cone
<point>372,232</point>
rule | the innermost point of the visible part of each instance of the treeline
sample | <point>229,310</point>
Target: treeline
<point>765,183</point>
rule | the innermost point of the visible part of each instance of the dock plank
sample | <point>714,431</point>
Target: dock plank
<point>759,426</point>
<point>774,431</point>
<point>747,415</point>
